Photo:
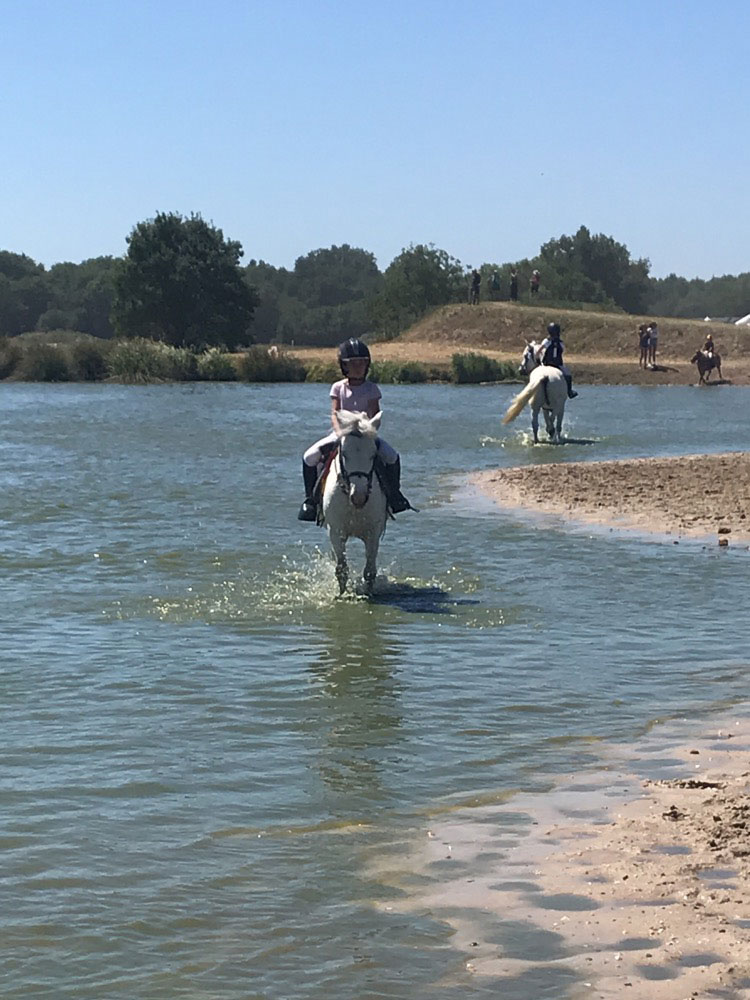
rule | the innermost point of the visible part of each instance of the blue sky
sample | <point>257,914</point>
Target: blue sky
<point>484,128</point>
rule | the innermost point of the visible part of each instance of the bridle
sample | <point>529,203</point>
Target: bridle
<point>345,477</point>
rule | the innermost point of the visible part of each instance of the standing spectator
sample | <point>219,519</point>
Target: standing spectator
<point>513,285</point>
<point>476,281</point>
<point>644,342</point>
<point>534,282</point>
<point>494,283</point>
<point>653,343</point>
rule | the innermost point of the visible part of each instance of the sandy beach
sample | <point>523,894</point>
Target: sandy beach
<point>630,886</point>
<point>690,496</point>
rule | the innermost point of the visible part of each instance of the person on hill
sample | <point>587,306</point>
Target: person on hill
<point>357,393</point>
<point>476,281</point>
<point>534,282</point>
<point>550,352</point>
<point>494,284</point>
<point>644,342</point>
<point>653,343</point>
<point>513,285</point>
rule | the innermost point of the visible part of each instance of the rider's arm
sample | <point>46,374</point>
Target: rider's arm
<point>335,407</point>
<point>373,407</point>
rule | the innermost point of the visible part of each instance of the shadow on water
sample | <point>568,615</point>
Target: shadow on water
<point>418,599</point>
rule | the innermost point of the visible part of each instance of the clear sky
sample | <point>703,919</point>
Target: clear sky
<point>484,128</point>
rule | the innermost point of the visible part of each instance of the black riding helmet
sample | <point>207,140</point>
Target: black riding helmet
<point>353,348</point>
<point>553,329</point>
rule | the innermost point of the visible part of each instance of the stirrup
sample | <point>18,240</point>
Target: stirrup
<point>308,511</point>
<point>572,394</point>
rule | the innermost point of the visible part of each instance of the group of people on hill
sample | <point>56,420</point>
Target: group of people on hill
<point>648,341</point>
<point>494,285</point>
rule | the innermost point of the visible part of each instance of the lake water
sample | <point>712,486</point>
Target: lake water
<point>207,760</point>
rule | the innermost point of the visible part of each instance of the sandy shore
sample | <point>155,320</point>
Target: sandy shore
<point>691,496</point>
<point>624,887</point>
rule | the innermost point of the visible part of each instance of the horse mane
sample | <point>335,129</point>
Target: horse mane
<point>358,424</point>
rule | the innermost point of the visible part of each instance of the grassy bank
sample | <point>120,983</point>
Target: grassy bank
<point>68,357</point>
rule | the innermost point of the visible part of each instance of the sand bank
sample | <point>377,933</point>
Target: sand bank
<point>691,496</point>
<point>624,887</point>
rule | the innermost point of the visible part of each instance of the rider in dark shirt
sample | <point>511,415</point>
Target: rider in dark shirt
<point>551,353</point>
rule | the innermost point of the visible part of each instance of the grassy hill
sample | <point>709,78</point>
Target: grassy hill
<point>504,328</point>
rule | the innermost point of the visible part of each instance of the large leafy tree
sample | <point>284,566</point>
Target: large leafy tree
<point>180,282</point>
<point>420,278</point>
<point>594,269</point>
<point>23,293</point>
<point>80,296</point>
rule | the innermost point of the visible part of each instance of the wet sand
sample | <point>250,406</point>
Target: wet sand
<point>690,496</point>
<point>624,887</point>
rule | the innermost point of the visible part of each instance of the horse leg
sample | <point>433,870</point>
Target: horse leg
<point>535,424</point>
<point>558,435</point>
<point>371,556</point>
<point>550,424</point>
<point>338,544</point>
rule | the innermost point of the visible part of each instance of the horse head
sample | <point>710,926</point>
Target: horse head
<point>695,357</point>
<point>358,449</point>
<point>528,359</point>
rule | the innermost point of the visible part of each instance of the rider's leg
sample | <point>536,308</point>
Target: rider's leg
<point>309,509</point>
<point>310,460</point>
<point>391,466</point>
<point>571,392</point>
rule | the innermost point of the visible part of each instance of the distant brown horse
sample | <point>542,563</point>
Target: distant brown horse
<point>706,364</point>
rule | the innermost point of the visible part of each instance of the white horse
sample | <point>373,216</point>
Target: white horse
<point>354,503</point>
<point>546,390</point>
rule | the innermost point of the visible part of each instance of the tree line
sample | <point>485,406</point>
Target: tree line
<point>182,282</point>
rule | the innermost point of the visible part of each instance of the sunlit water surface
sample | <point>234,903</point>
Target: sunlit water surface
<point>206,759</point>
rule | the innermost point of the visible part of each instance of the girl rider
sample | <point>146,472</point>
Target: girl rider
<point>353,392</point>
<point>550,352</point>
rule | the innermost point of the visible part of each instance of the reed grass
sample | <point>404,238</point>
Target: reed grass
<point>473,367</point>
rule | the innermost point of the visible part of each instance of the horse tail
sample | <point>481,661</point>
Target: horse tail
<point>518,402</point>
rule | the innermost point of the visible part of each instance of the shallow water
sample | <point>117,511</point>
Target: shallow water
<point>209,763</point>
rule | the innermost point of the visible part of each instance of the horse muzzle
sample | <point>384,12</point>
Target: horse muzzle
<point>357,496</point>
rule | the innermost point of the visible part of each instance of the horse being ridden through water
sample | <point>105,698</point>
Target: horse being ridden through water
<point>354,503</point>
<point>706,363</point>
<point>547,390</point>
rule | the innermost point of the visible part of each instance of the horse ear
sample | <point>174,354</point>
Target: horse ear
<point>376,419</point>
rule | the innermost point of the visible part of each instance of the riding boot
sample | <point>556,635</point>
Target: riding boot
<point>392,482</point>
<point>571,393</point>
<point>309,509</point>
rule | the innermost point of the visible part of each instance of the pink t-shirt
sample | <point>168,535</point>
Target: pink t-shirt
<point>355,397</point>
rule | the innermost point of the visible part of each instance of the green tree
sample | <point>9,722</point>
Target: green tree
<point>81,296</point>
<point>23,293</point>
<point>420,278</point>
<point>180,282</point>
<point>593,269</point>
<point>335,276</point>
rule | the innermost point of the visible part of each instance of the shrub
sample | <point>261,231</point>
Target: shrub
<point>216,366</point>
<point>323,371</point>
<point>258,365</point>
<point>398,372</point>
<point>10,356</point>
<point>88,360</point>
<point>43,363</point>
<point>141,360</point>
<point>474,367</point>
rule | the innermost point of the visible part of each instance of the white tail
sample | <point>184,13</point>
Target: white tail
<point>518,402</point>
